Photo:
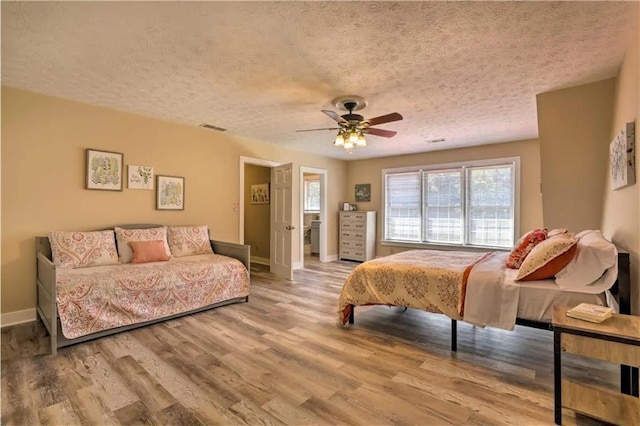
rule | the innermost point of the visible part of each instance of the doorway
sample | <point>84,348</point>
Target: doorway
<point>255,224</point>
<point>313,217</point>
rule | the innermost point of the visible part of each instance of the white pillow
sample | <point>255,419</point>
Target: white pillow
<point>124,236</point>
<point>593,257</point>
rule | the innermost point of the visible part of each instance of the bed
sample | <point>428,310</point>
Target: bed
<point>498,289</point>
<point>77,304</point>
<point>478,288</point>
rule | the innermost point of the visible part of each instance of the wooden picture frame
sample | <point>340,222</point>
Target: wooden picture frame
<point>260,193</point>
<point>169,192</point>
<point>363,192</point>
<point>104,170</point>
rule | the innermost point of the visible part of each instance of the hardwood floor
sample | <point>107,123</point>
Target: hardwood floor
<point>282,359</point>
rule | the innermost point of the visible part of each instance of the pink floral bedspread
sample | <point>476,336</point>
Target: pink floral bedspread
<point>431,280</point>
<point>104,297</point>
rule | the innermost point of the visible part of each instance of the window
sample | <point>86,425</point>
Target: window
<point>312,195</point>
<point>468,204</point>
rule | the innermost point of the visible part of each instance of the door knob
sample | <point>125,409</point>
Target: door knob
<point>290,228</point>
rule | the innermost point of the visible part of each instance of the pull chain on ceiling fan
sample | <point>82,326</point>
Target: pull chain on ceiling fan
<point>353,127</point>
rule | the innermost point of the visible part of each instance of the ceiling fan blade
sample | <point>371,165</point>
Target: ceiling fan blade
<point>335,116</point>
<point>324,128</point>
<point>381,132</point>
<point>394,116</point>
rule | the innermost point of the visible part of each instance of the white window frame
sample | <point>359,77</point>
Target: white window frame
<point>304,194</point>
<point>465,165</point>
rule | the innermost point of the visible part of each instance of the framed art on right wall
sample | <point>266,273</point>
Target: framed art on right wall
<point>622,157</point>
<point>169,193</point>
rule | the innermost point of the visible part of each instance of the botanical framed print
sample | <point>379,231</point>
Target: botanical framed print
<point>169,193</point>
<point>363,192</point>
<point>104,170</point>
<point>622,157</point>
<point>139,177</point>
<point>260,193</point>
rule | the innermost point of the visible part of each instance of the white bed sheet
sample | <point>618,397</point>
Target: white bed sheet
<point>537,298</point>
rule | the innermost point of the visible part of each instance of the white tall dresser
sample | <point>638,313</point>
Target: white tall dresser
<point>358,235</point>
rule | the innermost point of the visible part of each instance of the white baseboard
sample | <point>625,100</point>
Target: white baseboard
<point>260,260</point>
<point>298,265</point>
<point>331,258</point>
<point>18,317</point>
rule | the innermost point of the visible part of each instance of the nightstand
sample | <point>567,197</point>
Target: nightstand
<point>617,340</point>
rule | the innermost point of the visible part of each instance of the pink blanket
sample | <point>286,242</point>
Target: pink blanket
<point>104,297</point>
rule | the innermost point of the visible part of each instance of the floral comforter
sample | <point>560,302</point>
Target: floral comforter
<point>431,280</point>
<point>104,297</point>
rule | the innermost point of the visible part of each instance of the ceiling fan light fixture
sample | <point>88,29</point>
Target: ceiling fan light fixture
<point>361,141</point>
<point>353,137</point>
<point>348,144</point>
<point>339,140</point>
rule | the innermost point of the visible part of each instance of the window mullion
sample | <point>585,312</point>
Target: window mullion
<point>465,206</point>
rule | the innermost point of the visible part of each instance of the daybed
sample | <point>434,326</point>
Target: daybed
<point>77,304</point>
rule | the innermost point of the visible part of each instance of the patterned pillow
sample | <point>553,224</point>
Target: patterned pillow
<point>125,236</point>
<point>548,258</point>
<point>188,240</point>
<point>82,249</point>
<point>523,247</point>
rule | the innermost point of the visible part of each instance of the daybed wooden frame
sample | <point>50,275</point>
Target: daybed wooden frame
<point>46,289</point>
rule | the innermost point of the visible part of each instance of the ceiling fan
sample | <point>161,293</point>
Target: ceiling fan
<point>353,127</point>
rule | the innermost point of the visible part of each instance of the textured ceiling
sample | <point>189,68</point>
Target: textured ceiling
<point>464,71</point>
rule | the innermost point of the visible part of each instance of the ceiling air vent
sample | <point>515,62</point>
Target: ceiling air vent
<point>212,127</point>
<point>435,140</point>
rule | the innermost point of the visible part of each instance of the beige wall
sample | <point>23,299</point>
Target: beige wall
<point>573,127</point>
<point>257,221</point>
<point>43,160</point>
<point>370,171</point>
<point>621,212</point>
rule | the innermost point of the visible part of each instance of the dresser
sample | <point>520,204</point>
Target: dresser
<point>357,235</point>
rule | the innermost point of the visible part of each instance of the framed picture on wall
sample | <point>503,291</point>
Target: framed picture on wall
<point>260,193</point>
<point>363,192</point>
<point>139,177</point>
<point>169,193</point>
<point>104,170</point>
<point>622,157</point>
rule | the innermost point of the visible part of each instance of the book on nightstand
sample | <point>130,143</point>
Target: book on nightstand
<point>590,312</point>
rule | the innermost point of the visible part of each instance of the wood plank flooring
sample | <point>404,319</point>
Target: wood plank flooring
<point>282,359</point>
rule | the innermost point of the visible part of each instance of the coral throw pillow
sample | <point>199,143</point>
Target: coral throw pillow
<point>125,236</point>
<point>548,258</point>
<point>524,246</point>
<point>148,251</point>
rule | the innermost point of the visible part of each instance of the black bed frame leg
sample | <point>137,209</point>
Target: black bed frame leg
<point>454,335</point>
<point>352,314</point>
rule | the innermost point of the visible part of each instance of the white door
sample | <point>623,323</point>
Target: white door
<point>281,220</point>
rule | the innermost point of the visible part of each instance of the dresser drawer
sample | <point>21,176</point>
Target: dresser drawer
<point>352,254</point>
<point>355,216</point>
<point>352,225</point>
<point>354,234</point>
<point>353,244</point>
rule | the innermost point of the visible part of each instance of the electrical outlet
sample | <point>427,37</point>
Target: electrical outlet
<point>236,207</point>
